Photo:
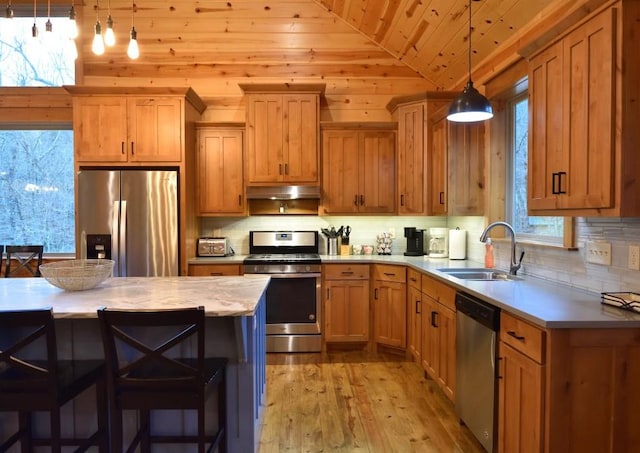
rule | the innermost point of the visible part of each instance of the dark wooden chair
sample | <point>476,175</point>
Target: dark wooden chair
<point>1,257</point>
<point>148,369</point>
<point>28,257</point>
<point>32,379</point>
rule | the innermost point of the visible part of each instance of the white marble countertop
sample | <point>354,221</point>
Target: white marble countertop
<point>220,296</point>
<point>544,303</point>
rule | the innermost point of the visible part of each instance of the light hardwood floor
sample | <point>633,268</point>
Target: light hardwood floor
<point>357,402</point>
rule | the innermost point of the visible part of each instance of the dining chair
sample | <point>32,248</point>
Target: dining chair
<point>34,379</point>
<point>1,257</point>
<point>147,369</point>
<point>28,257</point>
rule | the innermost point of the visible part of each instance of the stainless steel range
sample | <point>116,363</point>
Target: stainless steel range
<point>293,297</point>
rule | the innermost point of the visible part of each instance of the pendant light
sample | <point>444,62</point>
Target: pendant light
<point>73,25</point>
<point>98,43</point>
<point>48,26</point>
<point>9,12</point>
<point>470,106</point>
<point>109,35</point>
<point>133,51</point>
<point>34,29</point>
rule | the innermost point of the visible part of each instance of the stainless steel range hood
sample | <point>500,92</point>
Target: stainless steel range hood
<point>283,192</point>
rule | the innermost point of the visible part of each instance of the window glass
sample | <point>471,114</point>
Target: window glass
<point>36,183</point>
<point>48,60</point>
<point>537,228</point>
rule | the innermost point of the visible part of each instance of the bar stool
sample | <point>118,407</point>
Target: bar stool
<point>148,369</point>
<point>32,379</point>
<point>29,257</point>
<point>1,257</point>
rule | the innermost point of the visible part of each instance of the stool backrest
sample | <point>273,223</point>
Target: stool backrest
<point>152,350</point>
<point>28,355</point>
<point>28,257</point>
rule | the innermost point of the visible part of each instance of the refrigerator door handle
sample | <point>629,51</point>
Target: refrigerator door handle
<point>115,234</point>
<point>123,238</point>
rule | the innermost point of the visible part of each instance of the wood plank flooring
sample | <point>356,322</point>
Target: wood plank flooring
<point>357,402</point>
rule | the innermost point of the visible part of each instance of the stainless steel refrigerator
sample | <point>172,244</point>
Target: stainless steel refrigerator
<point>130,216</point>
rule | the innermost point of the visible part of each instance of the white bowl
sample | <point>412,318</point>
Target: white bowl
<point>77,275</point>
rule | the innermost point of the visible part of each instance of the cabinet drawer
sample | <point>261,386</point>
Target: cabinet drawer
<point>346,271</point>
<point>439,291</point>
<point>211,270</point>
<point>413,279</point>
<point>389,273</point>
<point>522,336</point>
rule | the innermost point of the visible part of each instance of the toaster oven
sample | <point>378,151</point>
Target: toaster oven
<point>214,247</point>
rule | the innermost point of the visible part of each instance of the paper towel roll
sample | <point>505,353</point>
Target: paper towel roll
<point>457,244</point>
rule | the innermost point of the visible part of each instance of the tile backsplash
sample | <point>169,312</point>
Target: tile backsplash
<point>550,263</point>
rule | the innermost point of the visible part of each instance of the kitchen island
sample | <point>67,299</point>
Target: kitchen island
<point>235,312</point>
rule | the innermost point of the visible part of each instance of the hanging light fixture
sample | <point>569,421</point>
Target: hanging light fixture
<point>9,12</point>
<point>470,105</point>
<point>34,29</point>
<point>133,51</point>
<point>109,35</point>
<point>73,25</point>
<point>48,26</point>
<point>98,43</point>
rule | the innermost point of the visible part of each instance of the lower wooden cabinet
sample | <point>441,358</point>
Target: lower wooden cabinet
<point>414,315</point>
<point>389,305</point>
<point>214,270</point>
<point>346,303</point>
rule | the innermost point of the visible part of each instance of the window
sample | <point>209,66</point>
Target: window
<point>533,228</point>
<point>36,176</point>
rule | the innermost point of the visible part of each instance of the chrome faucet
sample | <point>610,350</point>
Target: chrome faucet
<point>515,265</point>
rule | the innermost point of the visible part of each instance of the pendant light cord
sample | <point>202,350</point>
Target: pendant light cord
<point>469,38</point>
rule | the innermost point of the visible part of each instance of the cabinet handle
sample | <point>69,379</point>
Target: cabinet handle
<point>347,272</point>
<point>413,279</point>
<point>132,151</point>
<point>355,200</point>
<point>216,274</point>
<point>554,177</point>
<point>402,200</point>
<point>328,293</point>
<point>418,306</point>
<point>122,148</point>
<point>239,200</point>
<point>375,293</point>
<point>499,376</point>
<point>441,198</point>
<point>560,174</point>
<point>513,334</point>
<point>389,274</point>
<point>434,318</point>
<point>280,169</point>
<point>286,169</point>
<point>361,200</point>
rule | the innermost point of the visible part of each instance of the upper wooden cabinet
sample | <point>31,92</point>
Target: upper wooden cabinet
<point>414,142</point>
<point>220,185</point>
<point>282,143</point>
<point>437,165</point>
<point>358,171</point>
<point>583,109</point>
<point>125,126</point>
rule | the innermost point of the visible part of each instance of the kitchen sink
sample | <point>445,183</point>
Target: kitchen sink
<point>478,273</point>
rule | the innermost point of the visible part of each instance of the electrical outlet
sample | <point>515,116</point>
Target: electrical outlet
<point>634,257</point>
<point>599,252</point>
<point>392,232</point>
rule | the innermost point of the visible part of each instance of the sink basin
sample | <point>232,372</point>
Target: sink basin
<point>478,273</point>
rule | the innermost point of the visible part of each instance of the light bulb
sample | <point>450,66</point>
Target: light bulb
<point>73,25</point>
<point>133,51</point>
<point>98,43</point>
<point>109,35</point>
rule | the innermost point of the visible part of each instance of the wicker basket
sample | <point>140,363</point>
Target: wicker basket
<point>77,275</point>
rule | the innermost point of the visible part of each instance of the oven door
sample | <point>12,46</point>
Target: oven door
<point>293,304</point>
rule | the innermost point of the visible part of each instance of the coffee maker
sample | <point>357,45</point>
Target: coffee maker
<point>415,241</point>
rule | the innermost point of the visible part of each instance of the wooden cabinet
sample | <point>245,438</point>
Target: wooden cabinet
<point>583,120</point>
<point>389,305</point>
<point>121,129</point>
<point>346,303</point>
<point>414,144</point>
<point>358,171</point>
<point>439,333</point>
<point>220,184</point>
<point>520,386</point>
<point>282,138</point>
<point>437,158</point>
<point>214,270</point>
<point>414,315</point>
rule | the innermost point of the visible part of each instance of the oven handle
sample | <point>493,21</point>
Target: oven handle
<point>301,275</point>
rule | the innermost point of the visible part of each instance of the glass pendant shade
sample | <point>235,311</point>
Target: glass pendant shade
<point>470,106</point>
<point>133,51</point>
<point>98,43</point>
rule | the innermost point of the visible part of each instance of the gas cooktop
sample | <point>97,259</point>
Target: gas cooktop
<point>309,258</point>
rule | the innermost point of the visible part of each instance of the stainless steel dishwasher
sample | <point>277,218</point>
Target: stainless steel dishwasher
<point>477,324</point>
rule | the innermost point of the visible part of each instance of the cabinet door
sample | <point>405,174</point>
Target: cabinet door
<point>430,337</point>
<point>588,99</point>
<point>445,321</point>
<point>466,169</point>
<point>100,129</point>
<point>545,128</point>
<point>437,172</point>
<point>390,313</point>
<point>155,129</point>
<point>346,311</point>
<point>264,138</point>
<point>520,403</point>
<point>300,140</point>
<point>220,184</point>
<point>377,172</point>
<point>411,193</point>
<point>414,325</point>
<point>340,172</point>
<point>214,270</point>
